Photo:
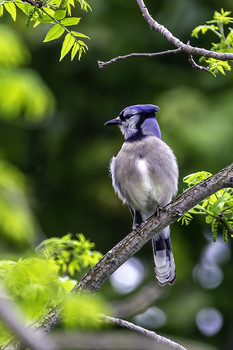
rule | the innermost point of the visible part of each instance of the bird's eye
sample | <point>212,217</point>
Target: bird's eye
<point>125,117</point>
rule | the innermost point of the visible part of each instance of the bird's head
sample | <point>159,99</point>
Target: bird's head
<point>137,121</point>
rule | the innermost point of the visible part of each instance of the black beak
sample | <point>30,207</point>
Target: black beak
<point>116,121</point>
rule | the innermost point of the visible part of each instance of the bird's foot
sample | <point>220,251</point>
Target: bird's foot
<point>136,227</point>
<point>158,210</point>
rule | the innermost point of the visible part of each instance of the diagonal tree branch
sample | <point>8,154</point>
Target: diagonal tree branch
<point>134,241</point>
<point>186,48</point>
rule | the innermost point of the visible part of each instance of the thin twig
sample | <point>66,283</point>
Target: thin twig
<point>102,64</point>
<point>197,66</point>
<point>194,64</point>
<point>131,326</point>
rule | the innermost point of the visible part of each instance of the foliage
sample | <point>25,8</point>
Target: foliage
<point>218,208</point>
<point>71,255</point>
<point>24,95</point>
<point>83,311</point>
<point>35,283</point>
<point>32,283</point>
<point>57,13</point>
<point>14,204</point>
<point>13,51</point>
<point>224,44</point>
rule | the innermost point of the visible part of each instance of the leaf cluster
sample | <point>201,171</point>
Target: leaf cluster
<point>225,41</point>
<point>217,209</point>
<point>35,283</point>
<point>58,14</point>
<point>70,255</point>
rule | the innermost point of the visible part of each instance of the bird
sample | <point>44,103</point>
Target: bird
<point>145,177</point>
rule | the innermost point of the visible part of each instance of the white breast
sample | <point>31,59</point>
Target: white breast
<point>143,170</point>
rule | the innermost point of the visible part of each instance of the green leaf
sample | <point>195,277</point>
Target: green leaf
<point>70,21</point>
<point>81,43</point>
<point>11,8</point>
<point>80,35</point>
<point>84,5</point>
<point>67,45</point>
<point>74,50</point>
<point>23,7</point>
<point>57,3</point>
<point>60,14</point>
<point>216,66</point>
<point>204,29</point>
<point>68,7</point>
<point>46,17</point>
<point>81,50</point>
<point>194,178</point>
<point>185,219</point>
<point>36,24</point>
<point>71,2</point>
<point>54,33</point>
<point>222,17</point>
<point>209,219</point>
<point>1,10</point>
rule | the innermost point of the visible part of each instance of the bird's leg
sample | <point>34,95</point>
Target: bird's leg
<point>158,210</point>
<point>137,220</point>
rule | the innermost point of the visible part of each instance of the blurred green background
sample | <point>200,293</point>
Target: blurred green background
<point>55,150</point>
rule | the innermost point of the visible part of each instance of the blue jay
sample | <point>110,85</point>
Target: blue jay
<point>144,176</point>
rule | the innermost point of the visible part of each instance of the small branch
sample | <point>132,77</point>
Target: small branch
<point>102,64</point>
<point>131,326</point>
<point>197,66</point>
<point>194,64</point>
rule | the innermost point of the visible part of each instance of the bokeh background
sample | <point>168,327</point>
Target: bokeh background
<point>55,153</point>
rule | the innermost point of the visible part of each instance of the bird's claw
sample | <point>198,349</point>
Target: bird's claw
<point>158,210</point>
<point>136,227</point>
